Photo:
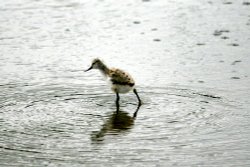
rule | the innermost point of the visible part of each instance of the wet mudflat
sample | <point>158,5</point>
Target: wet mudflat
<point>190,61</point>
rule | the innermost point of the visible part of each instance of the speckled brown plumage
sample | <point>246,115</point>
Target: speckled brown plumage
<point>120,77</point>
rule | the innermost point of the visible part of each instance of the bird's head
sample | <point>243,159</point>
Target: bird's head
<point>96,64</point>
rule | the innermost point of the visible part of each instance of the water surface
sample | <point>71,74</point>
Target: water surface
<point>190,62</point>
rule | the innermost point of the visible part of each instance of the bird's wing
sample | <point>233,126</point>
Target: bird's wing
<point>120,77</point>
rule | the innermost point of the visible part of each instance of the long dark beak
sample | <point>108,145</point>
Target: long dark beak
<point>88,69</point>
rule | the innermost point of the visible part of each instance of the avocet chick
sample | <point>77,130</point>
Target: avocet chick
<point>121,81</point>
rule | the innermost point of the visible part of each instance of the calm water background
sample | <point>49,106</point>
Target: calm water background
<point>190,60</point>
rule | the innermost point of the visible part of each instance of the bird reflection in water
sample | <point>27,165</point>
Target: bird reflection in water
<point>118,122</point>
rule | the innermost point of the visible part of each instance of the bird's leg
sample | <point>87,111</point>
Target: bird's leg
<point>136,111</point>
<point>140,103</point>
<point>117,102</point>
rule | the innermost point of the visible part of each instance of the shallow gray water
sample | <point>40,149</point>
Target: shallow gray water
<point>190,61</point>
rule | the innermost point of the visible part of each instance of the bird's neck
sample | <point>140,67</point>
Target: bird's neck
<point>104,69</point>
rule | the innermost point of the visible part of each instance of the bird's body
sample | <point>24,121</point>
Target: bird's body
<point>121,81</point>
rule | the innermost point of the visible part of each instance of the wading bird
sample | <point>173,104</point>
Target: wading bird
<point>121,81</point>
